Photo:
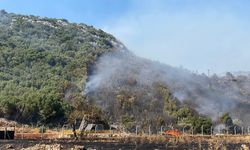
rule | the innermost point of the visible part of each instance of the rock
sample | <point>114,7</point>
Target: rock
<point>44,147</point>
<point>244,147</point>
<point>78,147</point>
<point>7,123</point>
<point>9,146</point>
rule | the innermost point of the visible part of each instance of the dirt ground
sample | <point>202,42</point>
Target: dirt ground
<point>193,143</point>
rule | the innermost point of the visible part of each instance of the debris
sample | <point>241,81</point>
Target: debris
<point>244,147</point>
<point>9,146</point>
<point>4,122</point>
<point>77,147</point>
<point>44,146</point>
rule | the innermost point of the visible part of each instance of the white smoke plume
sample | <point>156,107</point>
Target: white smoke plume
<point>211,96</point>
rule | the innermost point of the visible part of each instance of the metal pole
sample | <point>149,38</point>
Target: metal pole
<point>136,130</point>
<point>211,130</point>
<point>149,130</point>
<point>22,131</point>
<point>14,131</point>
<point>242,130</point>
<point>235,130</point>
<point>202,130</point>
<point>183,130</point>
<point>5,132</point>
<point>62,131</point>
<point>42,133</point>
<point>57,131</point>
<point>161,129</point>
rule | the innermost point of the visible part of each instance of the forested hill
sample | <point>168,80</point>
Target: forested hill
<point>41,61</point>
<point>55,72</point>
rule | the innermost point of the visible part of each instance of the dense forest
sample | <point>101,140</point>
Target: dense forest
<point>44,65</point>
<point>55,72</point>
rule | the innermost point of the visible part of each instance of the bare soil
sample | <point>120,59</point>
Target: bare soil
<point>128,144</point>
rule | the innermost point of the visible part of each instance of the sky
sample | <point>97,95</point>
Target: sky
<point>199,35</point>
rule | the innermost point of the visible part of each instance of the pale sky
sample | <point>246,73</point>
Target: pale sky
<point>196,34</point>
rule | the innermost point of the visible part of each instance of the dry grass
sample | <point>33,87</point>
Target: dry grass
<point>187,141</point>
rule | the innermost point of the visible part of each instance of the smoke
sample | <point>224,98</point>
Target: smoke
<point>218,129</point>
<point>210,96</point>
<point>187,33</point>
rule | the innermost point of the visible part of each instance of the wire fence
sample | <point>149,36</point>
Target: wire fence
<point>42,132</point>
<point>191,130</point>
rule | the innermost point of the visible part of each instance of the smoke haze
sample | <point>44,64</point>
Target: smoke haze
<point>211,96</point>
<point>198,35</point>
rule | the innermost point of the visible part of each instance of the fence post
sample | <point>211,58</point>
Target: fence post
<point>5,133</point>
<point>149,130</point>
<point>57,131</point>
<point>15,132</point>
<point>22,131</point>
<point>235,130</point>
<point>42,132</point>
<point>136,130</point>
<point>63,131</point>
<point>162,129</point>
<point>211,130</point>
<point>192,129</point>
<point>183,130</point>
<point>242,130</point>
<point>202,132</point>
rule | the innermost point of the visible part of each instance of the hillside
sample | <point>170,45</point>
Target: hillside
<point>41,61</point>
<point>55,72</point>
<point>137,91</point>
